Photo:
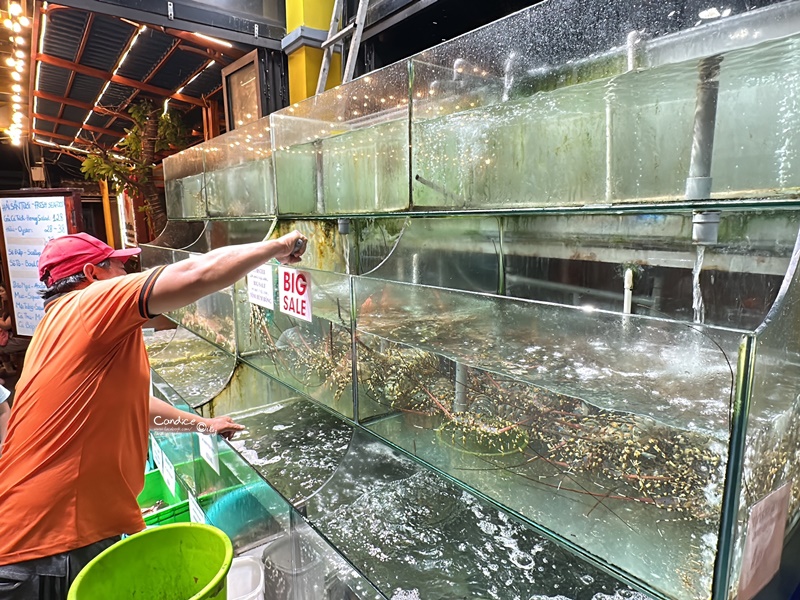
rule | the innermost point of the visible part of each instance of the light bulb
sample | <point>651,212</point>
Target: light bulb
<point>17,117</point>
<point>19,67</point>
<point>16,98</point>
<point>25,21</point>
<point>19,40</point>
<point>16,76</point>
<point>17,27</point>
<point>14,9</point>
<point>19,54</point>
<point>16,106</point>
<point>8,24</point>
<point>10,62</point>
<point>16,88</point>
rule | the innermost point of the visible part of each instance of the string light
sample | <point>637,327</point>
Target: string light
<point>17,23</point>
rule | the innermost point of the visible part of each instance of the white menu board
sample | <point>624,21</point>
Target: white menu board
<point>28,224</point>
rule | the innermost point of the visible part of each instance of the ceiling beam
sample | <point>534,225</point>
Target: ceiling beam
<point>105,76</point>
<point>84,105</point>
<point>209,54</point>
<point>93,128</point>
<point>220,47</point>
<point>59,136</point>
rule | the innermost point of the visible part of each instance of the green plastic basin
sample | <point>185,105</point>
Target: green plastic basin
<point>183,561</point>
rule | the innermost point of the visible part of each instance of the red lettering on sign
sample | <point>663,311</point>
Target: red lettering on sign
<point>294,305</point>
<point>294,283</point>
<point>301,284</point>
<point>295,292</point>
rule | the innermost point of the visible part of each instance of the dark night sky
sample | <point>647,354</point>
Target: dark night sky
<point>12,172</point>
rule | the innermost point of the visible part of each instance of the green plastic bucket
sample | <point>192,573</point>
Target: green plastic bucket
<point>182,561</point>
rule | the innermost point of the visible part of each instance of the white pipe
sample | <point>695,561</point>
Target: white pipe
<point>628,294</point>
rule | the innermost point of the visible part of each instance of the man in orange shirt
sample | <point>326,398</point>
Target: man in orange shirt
<point>73,461</point>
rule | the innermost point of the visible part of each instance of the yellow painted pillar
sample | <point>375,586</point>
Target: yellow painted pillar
<point>107,213</point>
<point>307,22</point>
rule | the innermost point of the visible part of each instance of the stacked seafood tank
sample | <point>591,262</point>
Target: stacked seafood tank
<point>553,340</point>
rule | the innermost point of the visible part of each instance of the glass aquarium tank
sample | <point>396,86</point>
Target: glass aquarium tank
<point>313,357</point>
<point>194,368</point>
<point>239,179</point>
<point>533,402</point>
<point>505,117</point>
<point>211,317</point>
<point>552,343</point>
<point>184,184</point>
<point>296,560</point>
<point>338,153</point>
<point>409,532</point>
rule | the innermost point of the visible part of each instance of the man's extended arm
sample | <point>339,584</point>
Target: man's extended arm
<point>189,280</point>
<point>165,417</point>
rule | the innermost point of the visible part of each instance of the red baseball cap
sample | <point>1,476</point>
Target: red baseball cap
<point>66,255</point>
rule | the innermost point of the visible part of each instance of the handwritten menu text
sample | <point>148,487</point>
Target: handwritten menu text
<point>28,224</point>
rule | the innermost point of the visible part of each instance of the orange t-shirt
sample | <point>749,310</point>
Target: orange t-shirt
<point>73,461</point>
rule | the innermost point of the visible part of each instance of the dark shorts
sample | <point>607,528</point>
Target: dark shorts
<point>15,345</point>
<point>47,578</point>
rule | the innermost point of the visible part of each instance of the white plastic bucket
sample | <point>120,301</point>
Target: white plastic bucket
<point>246,579</point>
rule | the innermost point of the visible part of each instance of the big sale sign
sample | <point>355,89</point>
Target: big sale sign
<point>294,295</point>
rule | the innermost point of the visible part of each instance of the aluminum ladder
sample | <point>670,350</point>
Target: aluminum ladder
<point>356,28</point>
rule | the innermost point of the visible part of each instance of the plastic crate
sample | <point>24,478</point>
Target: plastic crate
<point>178,513</point>
<point>156,491</point>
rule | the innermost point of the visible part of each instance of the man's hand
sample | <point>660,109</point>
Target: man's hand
<point>223,426</point>
<point>292,247</point>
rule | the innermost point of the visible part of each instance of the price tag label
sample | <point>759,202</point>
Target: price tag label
<point>209,450</point>
<point>295,293</point>
<point>763,545</point>
<point>158,455</point>
<point>196,514</point>
<point>168,473</point>
<point>259,287</point>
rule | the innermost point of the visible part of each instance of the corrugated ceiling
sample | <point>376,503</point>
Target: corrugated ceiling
<point>92,67</point>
